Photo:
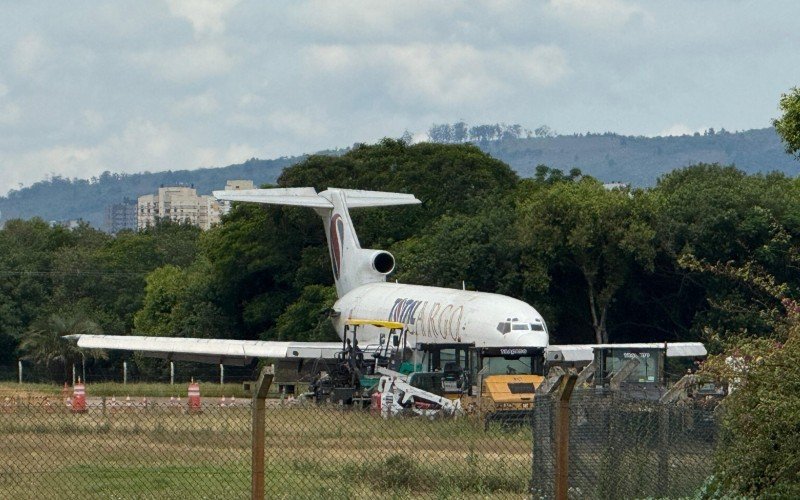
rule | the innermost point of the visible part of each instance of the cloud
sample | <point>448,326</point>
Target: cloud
<point>141,145</point>
<point>368,20</point>
<point>234,153</point>
<point>198,104</point>
<point>296,123</point>
<point>442,74</point>
<point>188,63</point>
<point>10,114</point>
<point>29,54</point>
<point>677,130</point>
<point>205,16</point>
<point>92,120</point>
<point>599,14</point>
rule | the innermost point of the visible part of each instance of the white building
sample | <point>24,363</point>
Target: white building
<point>224,205</point>
<point>178,204</point>
<point>183,204</point>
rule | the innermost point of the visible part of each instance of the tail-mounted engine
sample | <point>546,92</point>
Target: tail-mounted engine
<point>372,265</point>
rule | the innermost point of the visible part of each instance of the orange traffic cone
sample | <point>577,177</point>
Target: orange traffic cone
<point>195,405</point>
<point>79,397</point>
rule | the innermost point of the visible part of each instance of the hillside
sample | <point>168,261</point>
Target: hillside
<point>68,199</point>
<point>641,160</point>
<point>609,157</point>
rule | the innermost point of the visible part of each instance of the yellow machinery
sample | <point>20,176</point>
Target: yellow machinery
<point>500,382</point>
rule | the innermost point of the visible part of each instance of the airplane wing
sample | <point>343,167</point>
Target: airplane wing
<point>224,351</point>
<point>580,353</point>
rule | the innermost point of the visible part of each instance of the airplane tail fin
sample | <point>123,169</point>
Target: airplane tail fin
<point>352,265</point>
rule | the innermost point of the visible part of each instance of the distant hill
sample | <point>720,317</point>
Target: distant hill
<point>609,157</point>
<point>62,199</point>
<point>641,160</point>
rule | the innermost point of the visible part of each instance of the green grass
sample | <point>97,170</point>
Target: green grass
<point>117,389</point>
<point>309,452</point>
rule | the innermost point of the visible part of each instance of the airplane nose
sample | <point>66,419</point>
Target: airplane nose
<point>527,339</point>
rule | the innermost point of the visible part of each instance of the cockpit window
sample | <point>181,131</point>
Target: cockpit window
<point>504,327</point>
<point>537,327</point>
<point>519,326</point>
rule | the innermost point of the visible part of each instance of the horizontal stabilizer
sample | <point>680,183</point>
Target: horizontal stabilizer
<point>300,197</point>
<point>224,351</point>
<point>308,197</point>
<point>355,198</point>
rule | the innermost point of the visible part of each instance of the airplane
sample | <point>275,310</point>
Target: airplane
<point>430,315</point>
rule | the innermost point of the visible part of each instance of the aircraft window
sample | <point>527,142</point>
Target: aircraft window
<point>536,327</point>
<point>504,327</point>
<point>518,326</point>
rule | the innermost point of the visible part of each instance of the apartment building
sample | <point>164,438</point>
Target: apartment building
<point>120,216</point>
<point>183,204</point>
<point>235,185</point>
<point>178,204</point>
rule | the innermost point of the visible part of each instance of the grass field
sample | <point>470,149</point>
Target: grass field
<point>162,452</point>
<point>120,390</point>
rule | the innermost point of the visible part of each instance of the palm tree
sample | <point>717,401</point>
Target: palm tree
<point>44,343</point>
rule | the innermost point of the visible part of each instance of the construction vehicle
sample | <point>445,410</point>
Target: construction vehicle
<point>498,382</point>
<point>507,379</point>
<point>637,370</point>
<point>396,396</point>
<point>351,375</point>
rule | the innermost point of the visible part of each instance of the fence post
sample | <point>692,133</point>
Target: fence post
<point>663,449</point>
<point>259,412</point>
<point>562,437</point>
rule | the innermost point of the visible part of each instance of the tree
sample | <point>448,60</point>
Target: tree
<point>478,250</point>
<point>759,450</point>
<point>44,342</point>
<point>307,319</point>
<point>788,125</point>
<point>710,215</point>
<point>579,226</point>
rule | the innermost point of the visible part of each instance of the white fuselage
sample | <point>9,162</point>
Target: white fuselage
<point>442,315</point>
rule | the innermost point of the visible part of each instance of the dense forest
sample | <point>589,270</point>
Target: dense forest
<point>608,157</point>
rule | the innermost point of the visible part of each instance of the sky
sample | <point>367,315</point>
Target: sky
<point>150,85</point>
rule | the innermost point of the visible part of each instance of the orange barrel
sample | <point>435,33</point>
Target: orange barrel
<point>79,398</point>
<point>194,398</point>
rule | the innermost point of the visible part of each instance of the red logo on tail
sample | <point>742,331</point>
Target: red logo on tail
<point>336,233</point>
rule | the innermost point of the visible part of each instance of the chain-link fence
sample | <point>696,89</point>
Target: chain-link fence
<point>123,449</point>
<point>349,453</point>
<point>162,448</point>
<point>621,447</point>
